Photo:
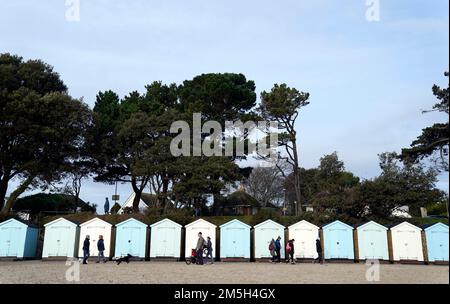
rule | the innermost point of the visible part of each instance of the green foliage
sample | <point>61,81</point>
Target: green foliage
<point>434,140</point>
<point>42,128</point>
<point>219,97</point>
<point>408,185</point>
<point>50,202</point>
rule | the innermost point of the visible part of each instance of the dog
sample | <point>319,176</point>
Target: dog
<point>125,259</point>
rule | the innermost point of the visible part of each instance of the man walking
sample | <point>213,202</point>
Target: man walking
<point>199,248</point>
<point>101,249</point>
<point>319,251</point>
<point>86,245</point>
<point>278,249</point>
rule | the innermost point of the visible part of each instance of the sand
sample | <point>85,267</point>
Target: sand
<point>36,272</point>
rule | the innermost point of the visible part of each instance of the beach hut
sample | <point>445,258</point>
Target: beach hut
<point>192,230</point>
<point>264,233</point>
<point>61,239</point>
<point>372,241</point>
<point>305,235</point>
<point>94,228</point>
<point>165,239</point>
<point>407,242</point>
<point>437,242</point>
<point>235,240</point>
<point>17,239</point>
<point>131,238</point>
<point>338,241</point>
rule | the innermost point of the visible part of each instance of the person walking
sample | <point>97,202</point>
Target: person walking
<point>209,250</point>
<point>319,251</point>
<point>106,206</point>
<point>86,245</point>
<point>272,250</point>
<point>290,250</point>
<point>199,248</point>
<point>101,249</point>
<point>278,249</point>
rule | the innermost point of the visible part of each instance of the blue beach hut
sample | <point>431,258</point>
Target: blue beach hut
<point>165,240</point>
<point>372,241</point>
<point>437,242</point>
<point>131,238</point>
<point>235,240</point>
<point>17,240</point>
<point>61,239</point>
<point>264,233</point>
<point>338,241</point>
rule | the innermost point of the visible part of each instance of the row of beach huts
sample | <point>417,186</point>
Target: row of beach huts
<point>235,239</point>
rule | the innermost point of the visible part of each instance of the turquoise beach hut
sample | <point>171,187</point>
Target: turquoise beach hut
<point>131,238</point>
<point>235,240</point>
<point>165,240</point>
<point>264,233</point>
<point>17,240</point>
<point>61,239</point>
<point>372,242</point>
<point>338,241</point>
<point>437,242</point>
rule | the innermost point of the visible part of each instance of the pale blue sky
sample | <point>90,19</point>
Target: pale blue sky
<point>368,81</point>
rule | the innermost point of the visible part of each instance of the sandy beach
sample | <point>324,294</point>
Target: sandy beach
<point>38,272</point>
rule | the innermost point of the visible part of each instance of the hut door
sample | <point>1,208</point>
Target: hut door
<point>4,236</point>
<point>62,241</point>
<point>161,243</point>
<point>133,240</point>
<point>169,244</point>
<point>237,246</point>
<point>13,241</point>
<point>441,242</point>
<point>407,243</point>
<point>340,243</point>
<point>370,243</point>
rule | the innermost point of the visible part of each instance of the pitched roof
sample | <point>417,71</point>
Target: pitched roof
<point>371,223</point>
<point>270,222</point>
<point>237,222</point>
<point>406,223</point>
<point>93,220</point>
<point>131,220</point>
<point>200,221</point>
<point>61,219</point>
<point>303,222</point>
<point>165,220</point>
<point>337,222</point>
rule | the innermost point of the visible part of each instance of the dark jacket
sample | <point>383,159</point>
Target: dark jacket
<point>277,245</point>
<point>292,247</point>
<point>101,245</point>
<point>208,245</point>
<point>318,246</point>
<point>86,244</point>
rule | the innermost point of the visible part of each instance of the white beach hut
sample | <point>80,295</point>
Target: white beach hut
<point>94,228</point>
<point>407,242</point>
<point>61,239</point>
<point>165,240</point>
<point>305,235</point>
<point>192,230</point>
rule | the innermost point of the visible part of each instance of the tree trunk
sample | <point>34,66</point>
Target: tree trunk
<point>137,195</point>
<point>3,189</point>
<point>16,193</point>
<point>297,179</point>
